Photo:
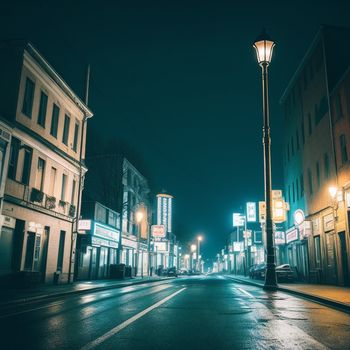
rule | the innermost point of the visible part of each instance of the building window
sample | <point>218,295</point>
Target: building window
<point>318,175</point>
<point>338,107</point>
<point>66,129</point>
<point>301,185</point>
<point>310,123</point>
<point>326,165</point>
<point>54,120</point>
<point>74,185</point>
<point>61,251</point>
<point>64,187</point>
<point>13,161</point>
<point>42,109</point>
<point>39,180</point>
<point>28,98</point>
<point>53,181</point>
<point>76,135</point>
<point>309,175</point>
<point>344,153</point>
<point>27,162</point>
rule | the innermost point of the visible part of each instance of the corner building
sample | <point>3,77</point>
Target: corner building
<point>45,170</point>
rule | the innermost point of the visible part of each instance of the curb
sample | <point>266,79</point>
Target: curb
<point>320,300</point>
<point>81,291</point>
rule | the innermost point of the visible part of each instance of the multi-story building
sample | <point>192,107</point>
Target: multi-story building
<point>136,216</point>
<point>98,241</point>
<point>315,245</point>
<point>45,169</point>
<point>165,250</point>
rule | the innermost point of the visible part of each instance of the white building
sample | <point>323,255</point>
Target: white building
<point>44,173</point>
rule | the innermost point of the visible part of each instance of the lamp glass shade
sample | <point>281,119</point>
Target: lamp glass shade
<point>264,49</point>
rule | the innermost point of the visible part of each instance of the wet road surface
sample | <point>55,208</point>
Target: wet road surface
<point>184,313</point>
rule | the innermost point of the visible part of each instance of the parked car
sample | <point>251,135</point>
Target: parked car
<point>172,272</point>
<point>258,271</point>
<point>285,273</point>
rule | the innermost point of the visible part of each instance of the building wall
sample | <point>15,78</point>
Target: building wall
<point>46,203</point>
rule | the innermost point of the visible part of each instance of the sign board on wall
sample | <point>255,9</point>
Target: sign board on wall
<point>291,235</point>
<point>328,222</point>
<point>305,229</point>
<point>158,231</point>
<point>84,225</point>
<point>280,237</point>
<point>160,246</point>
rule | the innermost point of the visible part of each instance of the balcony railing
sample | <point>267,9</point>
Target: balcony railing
<point>33,195</point>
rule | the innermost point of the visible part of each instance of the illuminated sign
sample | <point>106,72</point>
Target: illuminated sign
<point>158,231</point>
<point>305,229</point>
<point>238,220</point>
<point>262,211</point>
<point>160,246</point>
<point>236,246</point>
<point>299,217</point>
<point>164,211</point>
<point>84,225</point>
<point>280,237</point>
<point>291,235</point>
<point>251,212</point>
<point>106,232</point>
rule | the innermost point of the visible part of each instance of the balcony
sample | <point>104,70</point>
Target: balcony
<point>30,196</point>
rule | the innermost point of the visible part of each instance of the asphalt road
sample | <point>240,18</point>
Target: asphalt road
<point>184,313</point>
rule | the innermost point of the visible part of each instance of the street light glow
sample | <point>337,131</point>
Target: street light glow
<point>333,191</point>
<point>139,216</point>
<point>193,247</point>
<point>200,238</point>
<point>264,47</point>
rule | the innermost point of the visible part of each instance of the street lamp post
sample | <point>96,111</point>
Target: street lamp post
<point>264,48</point>
<point>199,240</point>
<point>139,218</point>
<point>193,250</point>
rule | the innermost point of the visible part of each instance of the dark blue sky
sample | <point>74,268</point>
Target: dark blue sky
<point>178,82</point>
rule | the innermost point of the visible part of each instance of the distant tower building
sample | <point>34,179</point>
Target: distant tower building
<point>164,211</point>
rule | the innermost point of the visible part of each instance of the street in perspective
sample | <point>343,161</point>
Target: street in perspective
<point>174,175</point>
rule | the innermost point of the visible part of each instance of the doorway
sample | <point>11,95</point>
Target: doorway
<point>344,259</point>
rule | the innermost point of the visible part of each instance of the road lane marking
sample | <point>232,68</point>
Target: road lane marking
<point>126,323</point>
<point>246,293</point>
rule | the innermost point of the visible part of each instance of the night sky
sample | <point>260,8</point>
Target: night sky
<point>177,82</point>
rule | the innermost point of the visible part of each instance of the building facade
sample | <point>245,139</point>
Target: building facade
<point>315,247</point>
<point>135,232</point>
<point>44,171</point>
<point>98,241</point>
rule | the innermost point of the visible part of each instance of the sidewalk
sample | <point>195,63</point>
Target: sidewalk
<point>334,296</point>
<point>18,296</point>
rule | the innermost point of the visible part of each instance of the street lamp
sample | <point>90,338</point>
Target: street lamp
<point>199,240</point>
<point>193,250</point>
<point>139,217</point>
<point>264,47</point>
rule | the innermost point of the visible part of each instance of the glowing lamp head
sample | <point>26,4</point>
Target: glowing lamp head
<point>333,191</point>
<point>193,248</point>
<point>139,216</point>
<point>200,238</point>
<point>263,46</point>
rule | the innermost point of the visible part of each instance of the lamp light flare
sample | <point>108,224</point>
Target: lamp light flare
<point>139,216</point>
<point>333,191</point>
<point>193,247</point>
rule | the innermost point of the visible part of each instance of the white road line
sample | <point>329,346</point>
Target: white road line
<point>126,323</point>
<point>246,293</point>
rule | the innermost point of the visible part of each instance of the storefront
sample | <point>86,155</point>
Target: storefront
<point>128,251</point>
<point>97,249</point>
